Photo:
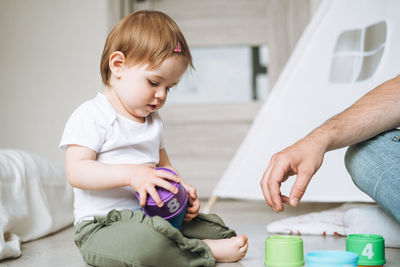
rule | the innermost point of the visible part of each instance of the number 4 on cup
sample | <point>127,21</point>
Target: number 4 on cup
<point>368,251</point>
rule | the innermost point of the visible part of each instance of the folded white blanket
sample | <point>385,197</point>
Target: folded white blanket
<point>342,221</point>
<point>328,222</point>
<point>35,199</point>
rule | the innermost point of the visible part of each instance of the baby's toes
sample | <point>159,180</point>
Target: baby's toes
<point>244,248</point>
<point>242,240</point>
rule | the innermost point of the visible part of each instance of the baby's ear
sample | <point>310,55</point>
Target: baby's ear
<point>116,63</point>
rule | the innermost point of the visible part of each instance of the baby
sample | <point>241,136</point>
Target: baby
<point>114,143</point>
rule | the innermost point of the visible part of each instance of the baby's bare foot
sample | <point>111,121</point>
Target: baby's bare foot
<point>228,250</point>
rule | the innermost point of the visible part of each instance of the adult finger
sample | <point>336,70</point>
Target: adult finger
<point>264,185</point>
<point>278,173</point>
<point>167,175</point>
<point>154,194</point>
<point>299,187</point>
<point>267,196</point>
<point>285,200</point>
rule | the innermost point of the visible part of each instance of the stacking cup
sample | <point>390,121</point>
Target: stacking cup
<point>178,219</point>
<point>175,205</point>
<point>284,251</point>
<point>331,259</point>
<point>369,247</point>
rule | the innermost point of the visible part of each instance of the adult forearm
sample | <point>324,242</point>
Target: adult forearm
<point>374,113</point>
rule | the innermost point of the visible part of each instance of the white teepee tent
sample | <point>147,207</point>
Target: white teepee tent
<point>349,47</point>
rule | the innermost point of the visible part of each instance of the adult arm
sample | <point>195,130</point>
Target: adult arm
<point>374,113</point>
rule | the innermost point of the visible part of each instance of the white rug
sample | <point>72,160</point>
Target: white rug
<point>342,221</point>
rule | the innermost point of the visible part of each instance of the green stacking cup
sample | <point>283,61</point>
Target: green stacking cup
<point>284,251</point>
<point>370,248</point>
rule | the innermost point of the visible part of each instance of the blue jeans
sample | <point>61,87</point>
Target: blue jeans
<point>374,166</point>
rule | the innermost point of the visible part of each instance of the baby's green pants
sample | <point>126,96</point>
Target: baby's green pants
<point>127,238</point>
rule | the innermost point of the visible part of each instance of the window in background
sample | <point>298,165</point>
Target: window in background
<point>224,75</point>
<point>358,53</point>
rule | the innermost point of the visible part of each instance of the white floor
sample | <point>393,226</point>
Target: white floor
<point>246,217</point>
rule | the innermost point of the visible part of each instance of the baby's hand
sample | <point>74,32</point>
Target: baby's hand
<point>146,178</point>
<point>194,202</point>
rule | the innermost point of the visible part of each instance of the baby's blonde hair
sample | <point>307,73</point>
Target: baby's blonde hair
<point>144,37</point>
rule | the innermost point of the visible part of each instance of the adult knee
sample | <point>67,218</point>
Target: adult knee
<point>355,165</point>
<point>361,162</point>
<point>370,163</point>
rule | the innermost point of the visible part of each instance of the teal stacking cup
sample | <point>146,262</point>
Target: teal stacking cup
<point>331,259</point>
<point>284,251</point>
<point>370,248</point>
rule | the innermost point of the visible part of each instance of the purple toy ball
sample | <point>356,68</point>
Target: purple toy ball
<point>175,205</point>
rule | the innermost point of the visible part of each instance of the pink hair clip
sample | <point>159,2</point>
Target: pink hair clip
<point>178,48</point>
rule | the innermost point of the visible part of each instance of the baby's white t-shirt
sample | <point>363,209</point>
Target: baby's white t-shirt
<point>117,140</point>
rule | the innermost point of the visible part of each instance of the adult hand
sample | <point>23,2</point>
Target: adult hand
<point>303,159</point>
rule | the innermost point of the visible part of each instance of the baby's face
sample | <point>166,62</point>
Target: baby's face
<point>143,91</point>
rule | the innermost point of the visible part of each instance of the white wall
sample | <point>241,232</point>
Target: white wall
<point>49,63</point>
